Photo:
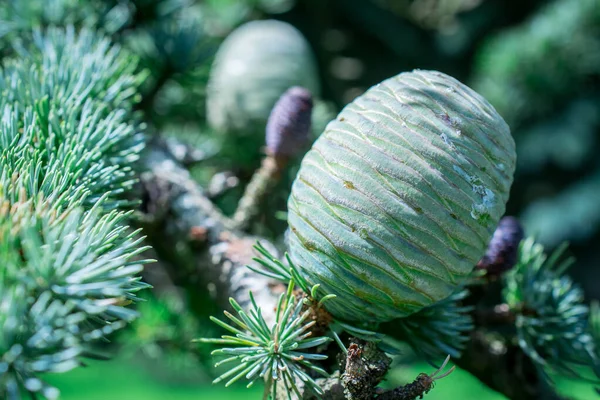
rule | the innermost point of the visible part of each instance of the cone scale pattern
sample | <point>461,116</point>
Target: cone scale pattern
<point>397,200</point>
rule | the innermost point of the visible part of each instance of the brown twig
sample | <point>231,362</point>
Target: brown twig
<point>419,387</point>
<point>366,367</point>
<point>204,250</point>
<point>263,180</point>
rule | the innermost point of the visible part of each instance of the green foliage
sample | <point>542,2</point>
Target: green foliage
<point>173,44</point>
<point>542,77</point>
<point>19,17</point>
<point>74,116</point>
<point>439,330</point>
<point>517,65</point>
<point>69,259</point>
<point>109,16</point>
<point>274,268</point>
<point>271,353</point>
<point>551,318</point>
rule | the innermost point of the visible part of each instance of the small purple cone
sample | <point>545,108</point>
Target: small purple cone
<point>501,254</point>
<point>289,123</point>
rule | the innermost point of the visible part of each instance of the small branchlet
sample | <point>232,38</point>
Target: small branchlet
<point>551,317</point>
<point>367,365</point>
<point>436,331</point>
<point>419,387</point>
<point>273,354</point>
<point>275,269</point>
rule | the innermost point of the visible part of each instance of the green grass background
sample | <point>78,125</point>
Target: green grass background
<point>125,379</point>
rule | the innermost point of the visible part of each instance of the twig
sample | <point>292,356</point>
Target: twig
<point>263,180</point>
<point>419,387</point>
<point>206,253</point>
<point>366,366</point>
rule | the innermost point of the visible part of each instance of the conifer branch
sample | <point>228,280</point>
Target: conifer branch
<point>199,243</point>
<point>69,260</point>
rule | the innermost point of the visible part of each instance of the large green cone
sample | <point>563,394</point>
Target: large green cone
<point>254,66</point>
<point>396,201</point>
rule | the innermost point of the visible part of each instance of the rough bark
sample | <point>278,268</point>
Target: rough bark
<point>200,245</point>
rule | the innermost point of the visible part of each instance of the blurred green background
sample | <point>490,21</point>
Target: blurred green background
<point>129,379</point>
<point>536,61</point>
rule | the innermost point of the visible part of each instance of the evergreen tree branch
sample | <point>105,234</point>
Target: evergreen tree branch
<point>494,357</point>
<point>199,243</point>
<point>69,260</point>
<point>204,250</point>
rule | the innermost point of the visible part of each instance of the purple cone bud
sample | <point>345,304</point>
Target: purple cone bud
<point>289,123</point>
<point>501,254</point>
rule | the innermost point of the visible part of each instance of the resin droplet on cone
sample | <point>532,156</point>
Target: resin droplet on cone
<point>397,200</point>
